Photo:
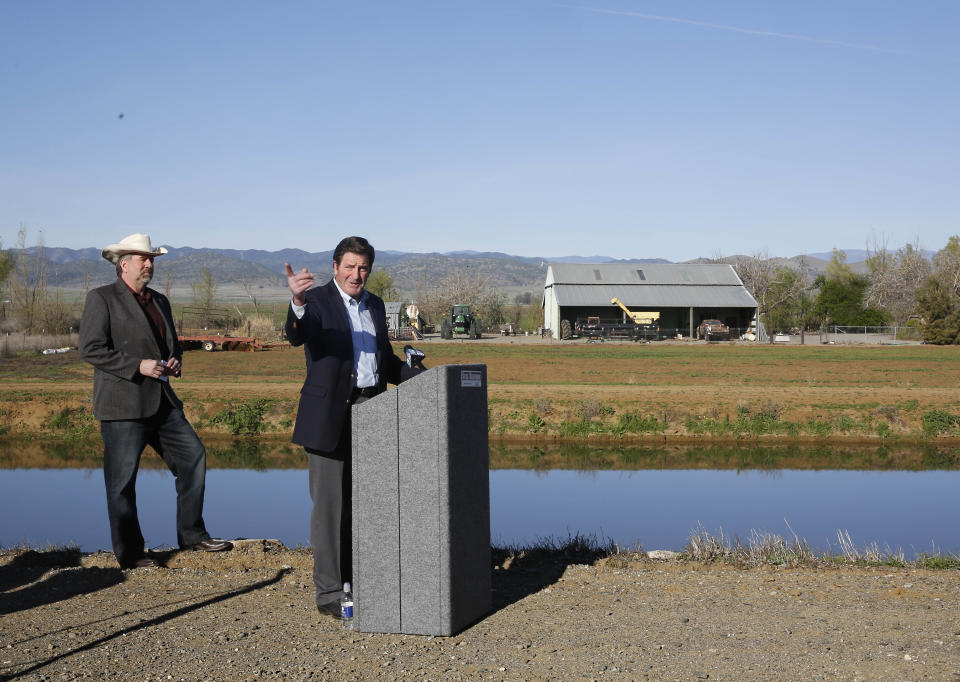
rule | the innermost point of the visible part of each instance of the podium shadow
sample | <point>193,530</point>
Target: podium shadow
<point>519,573</point>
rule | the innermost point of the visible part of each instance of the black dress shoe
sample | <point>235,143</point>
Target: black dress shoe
<point>331,610</point>
<point>212,545</point>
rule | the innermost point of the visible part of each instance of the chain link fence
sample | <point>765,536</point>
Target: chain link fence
<point>894,335</point>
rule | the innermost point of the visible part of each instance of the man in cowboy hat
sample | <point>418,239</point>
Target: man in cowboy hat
<point>127,334</point>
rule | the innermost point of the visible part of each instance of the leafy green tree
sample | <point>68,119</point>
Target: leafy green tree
<point>380,283</point>
<point>838,268</point>
<point>841,302</point>
<point>841,295</point>
<point>939,307</point>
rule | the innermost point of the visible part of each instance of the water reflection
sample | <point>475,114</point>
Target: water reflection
<point>261,454</point>
<point>895,496</point>
<point>888,457</point>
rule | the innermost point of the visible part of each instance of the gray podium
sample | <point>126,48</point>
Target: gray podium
<point>421,504</point>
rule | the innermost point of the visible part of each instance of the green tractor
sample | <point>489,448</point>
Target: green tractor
<point>460,321</point>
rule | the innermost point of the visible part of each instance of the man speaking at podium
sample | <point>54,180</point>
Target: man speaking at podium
<point>343,329</point>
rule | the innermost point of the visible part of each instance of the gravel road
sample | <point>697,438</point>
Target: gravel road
<point>248,614</point>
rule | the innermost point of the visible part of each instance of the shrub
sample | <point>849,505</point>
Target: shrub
<point>938,562</point>
<point>587,410</point>
<point>244,419</point>
<point>845,424</point>
<point>817,428</point>
<point>937,421</point>
<point>75,421</point>
<point>891,413</point>
<point>635,423</point>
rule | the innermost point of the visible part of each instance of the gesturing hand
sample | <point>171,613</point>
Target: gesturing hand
<point>298,282</point>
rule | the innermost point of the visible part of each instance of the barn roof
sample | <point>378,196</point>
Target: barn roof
<point>649,285</point>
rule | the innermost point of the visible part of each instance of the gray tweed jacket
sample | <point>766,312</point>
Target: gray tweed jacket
<point>114,337</point>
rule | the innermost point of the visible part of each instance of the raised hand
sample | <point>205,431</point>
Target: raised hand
<point>298,282</point>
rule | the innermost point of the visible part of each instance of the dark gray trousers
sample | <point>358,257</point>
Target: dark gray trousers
<point>331,523</point>
<point>331,519</point>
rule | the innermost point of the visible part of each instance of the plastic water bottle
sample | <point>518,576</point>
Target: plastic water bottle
<point>346,608</point>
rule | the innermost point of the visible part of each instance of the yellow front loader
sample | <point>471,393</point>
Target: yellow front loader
<point>643,317</point>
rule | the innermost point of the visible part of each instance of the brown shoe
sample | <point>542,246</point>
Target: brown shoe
<point>331,610</point>
<point>144,562</point>
<point>212,545</point>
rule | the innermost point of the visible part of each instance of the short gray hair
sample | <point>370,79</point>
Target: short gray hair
<point>122,258</point>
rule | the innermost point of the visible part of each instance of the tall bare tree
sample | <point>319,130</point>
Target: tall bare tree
<point>28,282</point>
<point>894,280</point>
<point>946,262</point>
<point>205,289</point>
<point>436,298</point>
<point>167,283</point>
<point>204,296</point>
<point>248,289</point>
<point>758,273</point>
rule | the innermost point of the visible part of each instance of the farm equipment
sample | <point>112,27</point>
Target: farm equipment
<point>210,342</point>
<point>641,326</point>
<point>597,329</point>
<point>208,328</point>
<point>646,317</point>
<point>460,321</point>
<point>410,327</point>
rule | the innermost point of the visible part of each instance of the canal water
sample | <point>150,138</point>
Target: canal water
<point>625,502</point>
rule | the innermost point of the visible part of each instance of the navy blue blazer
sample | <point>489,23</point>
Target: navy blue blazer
<point>324,332</point>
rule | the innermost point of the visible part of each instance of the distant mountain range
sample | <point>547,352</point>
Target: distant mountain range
<point>84,268</point>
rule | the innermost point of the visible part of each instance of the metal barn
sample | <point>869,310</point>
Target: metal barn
<point>684,294</point>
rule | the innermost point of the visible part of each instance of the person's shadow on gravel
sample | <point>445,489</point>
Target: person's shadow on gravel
<point>150,622</point>
<point>520,573</point>
<point>31,566</point>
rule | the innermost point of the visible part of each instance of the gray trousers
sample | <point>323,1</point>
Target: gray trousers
<point>331,519</point>
<point>331,523</point>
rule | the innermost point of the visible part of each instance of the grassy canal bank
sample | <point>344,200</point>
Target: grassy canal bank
<point>566,393</point>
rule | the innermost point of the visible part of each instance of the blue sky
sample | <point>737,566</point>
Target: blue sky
<point>624,128</point>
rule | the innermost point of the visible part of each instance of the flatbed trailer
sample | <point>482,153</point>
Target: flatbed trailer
<point>210,342</point>
<point>596,329</point>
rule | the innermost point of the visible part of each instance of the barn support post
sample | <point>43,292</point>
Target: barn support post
<point>690,329</point>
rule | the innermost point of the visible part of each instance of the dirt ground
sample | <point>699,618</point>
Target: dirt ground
<point>248,614</point>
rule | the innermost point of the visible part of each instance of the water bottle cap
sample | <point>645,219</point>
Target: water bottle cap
<point>346,587</point>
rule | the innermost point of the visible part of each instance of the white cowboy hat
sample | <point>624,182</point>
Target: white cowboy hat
<point>135,243</point>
